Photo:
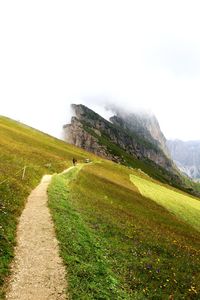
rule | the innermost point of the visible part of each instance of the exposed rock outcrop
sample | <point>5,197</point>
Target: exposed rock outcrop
<point>145,125</point>
<point>75,134</point>
<point>138,135</point>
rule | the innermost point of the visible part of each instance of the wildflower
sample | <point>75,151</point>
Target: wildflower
<point>149,267</point>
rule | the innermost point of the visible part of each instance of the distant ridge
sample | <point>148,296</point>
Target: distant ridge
<point>186,156</point>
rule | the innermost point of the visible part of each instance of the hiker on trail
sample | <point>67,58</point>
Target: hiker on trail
<point>74,161</point>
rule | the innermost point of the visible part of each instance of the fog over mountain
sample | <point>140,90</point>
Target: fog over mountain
<point>131,53</point>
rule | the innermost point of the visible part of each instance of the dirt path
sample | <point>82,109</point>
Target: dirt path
<point>37,271</point>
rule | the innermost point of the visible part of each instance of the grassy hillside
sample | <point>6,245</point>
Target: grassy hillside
<point>183,206</point>
<point>118,244</point>
<point>22,146</point>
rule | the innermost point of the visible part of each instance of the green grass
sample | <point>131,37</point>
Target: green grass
<point>117,244</point>
<point>183,206</point>
<point>89,272</point>
<point>22,146</point>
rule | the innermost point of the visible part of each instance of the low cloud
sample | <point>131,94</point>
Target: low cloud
<point>132,54</point>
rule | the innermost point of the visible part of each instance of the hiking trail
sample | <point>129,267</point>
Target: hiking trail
<point>37,270</point>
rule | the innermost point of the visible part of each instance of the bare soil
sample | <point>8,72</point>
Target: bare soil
<point>37,271</point>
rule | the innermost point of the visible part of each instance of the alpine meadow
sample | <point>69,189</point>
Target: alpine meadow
<point>122,233</point>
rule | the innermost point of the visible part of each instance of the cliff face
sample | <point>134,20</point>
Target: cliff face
<point>144,125</point>
<point>76,134</point>
<point>187,156</point>
<point>139,136</point>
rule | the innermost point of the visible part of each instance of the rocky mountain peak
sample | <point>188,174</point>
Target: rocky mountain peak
<point>82,112</point>
<point>142,123</point>
<point>134,134</point>
<point>145,125</point>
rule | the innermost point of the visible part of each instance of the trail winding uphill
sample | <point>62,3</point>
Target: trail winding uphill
<point>37,270</point>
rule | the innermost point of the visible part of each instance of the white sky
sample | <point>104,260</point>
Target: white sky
<point>133,53</point>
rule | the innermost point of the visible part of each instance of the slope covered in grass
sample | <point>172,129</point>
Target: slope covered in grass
<point>22,146</point>
<point>185,207</point>
<point>116,243</point>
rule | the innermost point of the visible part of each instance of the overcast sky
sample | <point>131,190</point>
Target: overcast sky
<point>131,53</point>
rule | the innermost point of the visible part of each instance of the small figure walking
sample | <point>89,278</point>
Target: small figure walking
<point>74,161</point>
